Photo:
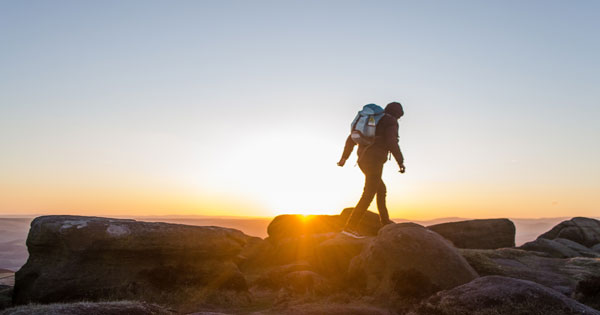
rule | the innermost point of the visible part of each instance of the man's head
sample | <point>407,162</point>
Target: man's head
<point>395,109</point>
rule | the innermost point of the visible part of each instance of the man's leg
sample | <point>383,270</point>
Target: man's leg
<point>372,183</point>
<point>381,207</point>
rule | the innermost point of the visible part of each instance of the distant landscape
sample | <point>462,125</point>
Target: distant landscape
<point>13,231</point>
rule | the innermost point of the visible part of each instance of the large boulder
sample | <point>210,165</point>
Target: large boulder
<point>91,258</point>
<point>502,295</point>
<point>482,234</point>
<point>585,231</point>
<point>408,260</point>
<point>562,275</point>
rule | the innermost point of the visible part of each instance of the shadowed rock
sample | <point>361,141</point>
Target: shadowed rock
<point>588,291</point>
<point>5,296</point>
<point>333,256</point>
<point>409,260</point>
<point>482,234</point>
<point>501,295</point>
<point>91,258</point>
<point>584,231</point>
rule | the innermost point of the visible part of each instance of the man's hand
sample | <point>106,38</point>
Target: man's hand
<point>402,168</point>
<point>341,162</point>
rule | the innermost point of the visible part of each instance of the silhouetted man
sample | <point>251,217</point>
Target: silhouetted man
<point>370,160</point>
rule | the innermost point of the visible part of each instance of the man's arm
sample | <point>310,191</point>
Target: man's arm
<point>391,142</point>
<point>348,148</point>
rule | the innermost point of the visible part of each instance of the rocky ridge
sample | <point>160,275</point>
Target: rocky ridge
<point>305,266</point>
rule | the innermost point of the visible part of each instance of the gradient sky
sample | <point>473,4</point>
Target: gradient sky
<point>242,107</point>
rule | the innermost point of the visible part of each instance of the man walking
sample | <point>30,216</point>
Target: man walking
<point>370,160</point>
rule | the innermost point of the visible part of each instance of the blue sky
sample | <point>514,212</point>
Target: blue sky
<point>197,100</point>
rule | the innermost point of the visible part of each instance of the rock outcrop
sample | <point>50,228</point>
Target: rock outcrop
<point>88,308</point>
<point>305,266</point>
<point>409,260</point>
<point>502,295</point>
<point>559,248</point>
<point>293,225</point>
<point>561,275</point>
<point>89,258</point>
<point>585,231</point>
<point>478,234</point>
<point>298,238</point>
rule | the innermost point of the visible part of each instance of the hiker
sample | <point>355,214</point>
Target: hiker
<point>372,154</point>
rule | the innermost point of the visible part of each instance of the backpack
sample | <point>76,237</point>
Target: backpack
<point>363,126</point>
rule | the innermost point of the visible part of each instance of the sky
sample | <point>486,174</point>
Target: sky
<point>241,108</point>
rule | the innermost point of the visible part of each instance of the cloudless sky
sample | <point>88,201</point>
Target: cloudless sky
<point>242,107</point>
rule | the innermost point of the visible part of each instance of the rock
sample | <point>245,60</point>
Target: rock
<point>333,256</point>
<point>91,258</point>
<point>560,248</point>
<point>596,248</point>
<point>320,308</point>
<point>275,277</point>
<point>502,295</point>
<point>551,247</point>
<point>293,249</point>
<point>306,282</point>
<point>588,291</point>
<point>6,293</point>
<point>559,274</point>
<point>293,225</point>
<point>584,231</point>
<point>580,249</point>
<point>408,260</point>
<point>87,308</point>
<point>481,234</point>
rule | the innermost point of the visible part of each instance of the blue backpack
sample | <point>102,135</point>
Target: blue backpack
<point>364,124</point>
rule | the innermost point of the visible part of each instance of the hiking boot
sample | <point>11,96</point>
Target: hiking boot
<point>352,233</point>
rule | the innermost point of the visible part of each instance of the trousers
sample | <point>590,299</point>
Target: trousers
<point>373,186</point>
